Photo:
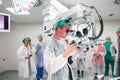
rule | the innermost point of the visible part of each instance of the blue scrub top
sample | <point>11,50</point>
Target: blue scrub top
<point>39,54</point>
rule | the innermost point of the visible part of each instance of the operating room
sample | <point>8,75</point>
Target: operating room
<point>68,32</point>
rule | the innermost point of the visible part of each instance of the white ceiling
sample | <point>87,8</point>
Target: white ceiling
<point>104,7</point>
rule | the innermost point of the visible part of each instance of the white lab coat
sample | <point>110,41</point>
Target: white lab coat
<point>115,45</point>
<point>55,65</point>
<point>81,61</point>
<point>23,69</point>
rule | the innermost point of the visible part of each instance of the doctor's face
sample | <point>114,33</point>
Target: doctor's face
<point>27,41</point>
<point>118,34</point>
<point>64,31</point>
<point>40,39</point>
<point>107,40</point>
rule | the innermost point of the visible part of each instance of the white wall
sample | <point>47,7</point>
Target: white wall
<point>110,28</point>
<point>2,56</point>
<point>11,41</point>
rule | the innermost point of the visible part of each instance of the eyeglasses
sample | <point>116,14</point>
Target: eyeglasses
<point>67,31</point>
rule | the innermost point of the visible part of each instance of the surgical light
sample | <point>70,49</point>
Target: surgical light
<point>23,5</point>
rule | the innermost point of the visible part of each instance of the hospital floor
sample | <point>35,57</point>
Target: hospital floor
<point>13,75</point>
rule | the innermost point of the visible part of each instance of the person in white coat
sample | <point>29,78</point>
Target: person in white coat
<point>26,64</point>
<point>81,65</point>
<point>117,56</point>
<point>56,55</point>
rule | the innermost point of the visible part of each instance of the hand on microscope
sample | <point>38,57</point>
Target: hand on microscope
<point>71,50</point>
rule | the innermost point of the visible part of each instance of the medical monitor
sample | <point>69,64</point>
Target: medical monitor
<point>4,22</point>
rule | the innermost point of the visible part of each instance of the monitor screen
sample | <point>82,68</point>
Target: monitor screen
<point>4,22</point>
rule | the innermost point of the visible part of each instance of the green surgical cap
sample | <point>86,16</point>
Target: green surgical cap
<point>108,37</point>
<point>25,39</point>
<point>118,29</point>
<point>61,22</point>
<point>39,36</point>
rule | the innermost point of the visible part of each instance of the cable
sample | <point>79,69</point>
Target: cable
<point>101,23</point>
